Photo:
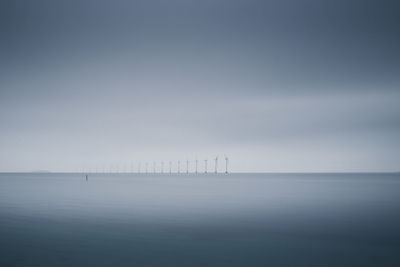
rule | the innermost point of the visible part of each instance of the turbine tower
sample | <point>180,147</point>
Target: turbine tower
<point>147,165</point>
<point>154,167</point>
<point>205,166</point>
<point>216,164</point>
<point>170,167</point>
<point>187,166</point>
<point>162,166</point>
<point>226,164</point>
<point>196,164</point>
<point>179,166</point>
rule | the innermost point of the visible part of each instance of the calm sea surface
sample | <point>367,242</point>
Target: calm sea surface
<point>200,220</point>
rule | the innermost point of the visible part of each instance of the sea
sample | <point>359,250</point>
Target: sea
<point>241,219</point>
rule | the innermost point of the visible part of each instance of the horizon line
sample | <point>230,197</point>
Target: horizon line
<point>198,173</point>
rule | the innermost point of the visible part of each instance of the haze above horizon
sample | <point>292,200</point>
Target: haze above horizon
<point>278,86</point>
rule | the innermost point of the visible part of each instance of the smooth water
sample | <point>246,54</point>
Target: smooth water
<point>200,220</point>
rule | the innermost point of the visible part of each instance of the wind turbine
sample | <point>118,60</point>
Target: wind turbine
<point>187,166</point>
<point>170,167</point>
<point>226,164</point>
<point>205,166</point>
<point>179,166</point>
<point>216,164</point>
<point>196,164</point>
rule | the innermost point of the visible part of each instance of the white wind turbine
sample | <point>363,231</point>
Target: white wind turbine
<point>226,164</point>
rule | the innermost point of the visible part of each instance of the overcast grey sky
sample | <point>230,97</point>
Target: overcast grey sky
<point>281,85</point>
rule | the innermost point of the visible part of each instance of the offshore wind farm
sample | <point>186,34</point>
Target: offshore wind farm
<point>158,168</point>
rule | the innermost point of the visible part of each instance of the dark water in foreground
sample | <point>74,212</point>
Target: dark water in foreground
<point>224,220</point>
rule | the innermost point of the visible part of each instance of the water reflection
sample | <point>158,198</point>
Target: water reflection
<point>221,220</point>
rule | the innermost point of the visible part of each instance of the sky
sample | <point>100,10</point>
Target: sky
<point>277,86</point>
